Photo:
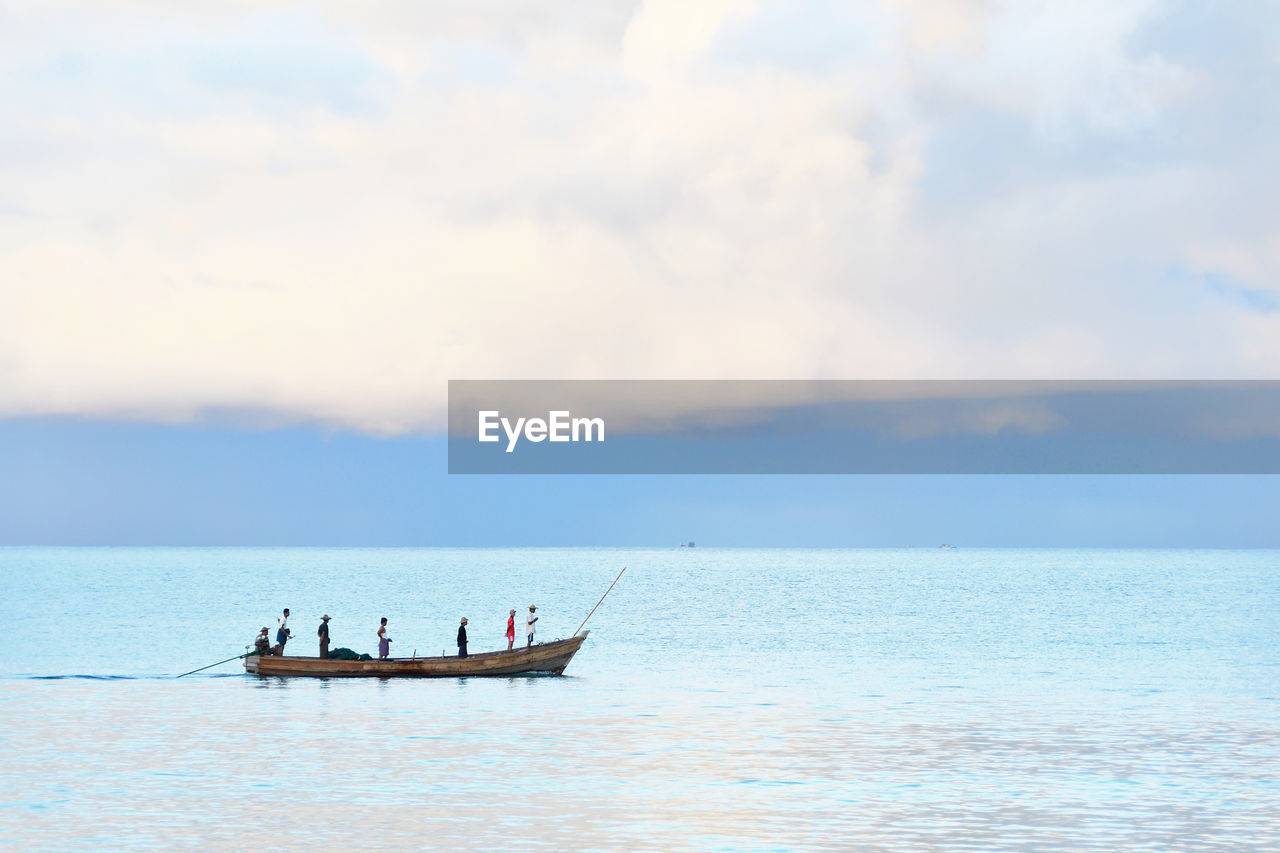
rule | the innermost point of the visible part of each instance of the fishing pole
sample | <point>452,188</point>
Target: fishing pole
<point>212,665</point>
<point>601,601</point>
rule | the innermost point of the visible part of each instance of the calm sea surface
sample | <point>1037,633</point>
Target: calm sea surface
<point>727,699</point>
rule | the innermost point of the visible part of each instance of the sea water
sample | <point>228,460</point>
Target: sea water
<point>726,699</point>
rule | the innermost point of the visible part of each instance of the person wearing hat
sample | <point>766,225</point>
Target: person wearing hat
<point>511,630</point>
<point>528,625</point>
<point>262,645</point>
<point>323,633</point>
<point>462,638</point>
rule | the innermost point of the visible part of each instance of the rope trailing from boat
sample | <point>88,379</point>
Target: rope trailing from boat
<point>219,663</point>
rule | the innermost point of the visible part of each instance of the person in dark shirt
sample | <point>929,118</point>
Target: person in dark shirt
<point>262,645</point>
<point>462,638</point>
<point>323,633</point>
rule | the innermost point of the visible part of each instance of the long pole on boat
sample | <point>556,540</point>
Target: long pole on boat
<point>601,601</point>
<point>212,665</point>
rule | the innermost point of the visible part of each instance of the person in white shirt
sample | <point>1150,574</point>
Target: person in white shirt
<point>528,625</point>
<point>283,633</point>
<point>384,642</point>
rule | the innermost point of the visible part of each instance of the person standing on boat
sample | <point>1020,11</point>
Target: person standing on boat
<point>462,638</point>
<point>528,625</point>
<point>511,630</point>
<point>323,633</point>
<point>283,634</point>
<point>384,642</point>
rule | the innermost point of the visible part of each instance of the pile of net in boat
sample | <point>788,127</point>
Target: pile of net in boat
<point>347,654</point>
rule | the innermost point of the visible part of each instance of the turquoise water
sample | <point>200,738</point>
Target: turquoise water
<point>727,699</point>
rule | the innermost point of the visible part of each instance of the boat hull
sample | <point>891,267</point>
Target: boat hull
<point>550,658</point>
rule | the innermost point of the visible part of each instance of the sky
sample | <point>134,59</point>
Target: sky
<point>90,483</point>
<point>257,226</point>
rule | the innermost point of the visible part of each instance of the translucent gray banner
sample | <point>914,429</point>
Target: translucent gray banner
<point>863,427</point>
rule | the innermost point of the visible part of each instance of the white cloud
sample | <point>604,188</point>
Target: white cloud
<point>326,214</point>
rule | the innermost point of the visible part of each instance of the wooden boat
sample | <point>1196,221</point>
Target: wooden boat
<point>550,658</point>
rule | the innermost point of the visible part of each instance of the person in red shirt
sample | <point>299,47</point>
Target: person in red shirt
<point>511,630</point>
